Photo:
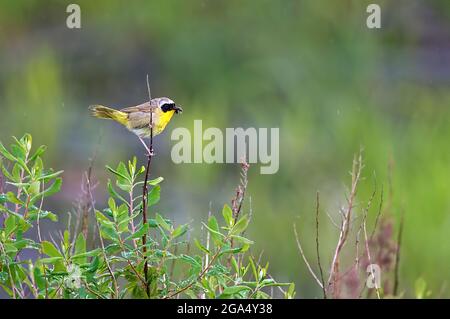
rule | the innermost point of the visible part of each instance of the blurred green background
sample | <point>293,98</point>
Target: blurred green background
<point>311,68</point>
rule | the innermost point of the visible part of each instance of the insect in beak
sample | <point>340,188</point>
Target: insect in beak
<point>178,109</point>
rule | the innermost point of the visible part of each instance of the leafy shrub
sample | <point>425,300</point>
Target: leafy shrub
<point>125,245</point>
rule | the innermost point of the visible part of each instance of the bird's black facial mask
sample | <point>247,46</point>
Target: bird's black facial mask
<point>171,106</point>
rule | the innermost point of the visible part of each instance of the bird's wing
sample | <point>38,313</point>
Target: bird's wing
<point>144,108</point>
<point>139,115</point>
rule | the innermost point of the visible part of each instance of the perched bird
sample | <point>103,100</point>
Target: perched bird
<point>137,118</point>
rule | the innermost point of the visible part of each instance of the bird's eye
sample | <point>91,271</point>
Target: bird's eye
<point>167,107</point>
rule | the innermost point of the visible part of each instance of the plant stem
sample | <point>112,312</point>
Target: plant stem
<point>345,225</point>
<point>145,192</point>
<point>397,255</point>
<point>318,248</point>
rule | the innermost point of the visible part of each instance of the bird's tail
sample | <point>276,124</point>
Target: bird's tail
<point>103,112</point>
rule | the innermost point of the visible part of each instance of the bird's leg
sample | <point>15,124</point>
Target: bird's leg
<point>149,153</point>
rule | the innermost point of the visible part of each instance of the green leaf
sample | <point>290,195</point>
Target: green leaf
<point>23,165</point>
<point>155,181</point>
<point>34,188</point>
<point>16,171</point>
<point>80,248</point>
<point>122,170</point>
<point>122,176</point>
<point>420,288</point>
<point>51,260</point>
<point>10,248</point>
<point>126,187</point>
<point>7,154</point>
<point>243,240</point>
<point>94,265</point>
<point>179,231</point>
<point>152,222</point>
<point>42,214</point>
<point>201,247</point>
<point>112,205</point>
<point>227,214</point>
<point>213,231</point>
<point>140,231</point>
<point>66,240</point>
<point>38,152</point>
<point>18,151</point>
<point>40,280</point>
<point>91,253</point>
<point>154,195</point>
<point>271,283</point>
<point>10,225</point>
<point>132,166</point>
<point>290,293</point>
<point>152,182</point>
<point>229,250</point>
<point>161,222</point>
<point>102,219</point>
<point>8,175</point>
<point>25,141</point>
<point>213,226</point>
<point>235,265</point>
<point>235,289</point>
<point>109,232</point>
<point>10,212</point>
<point>26,243</point>
<point>50,176</point>
<point>37,167</point>
<point>50,250</point>
<point>252,264</point>
<point>53,189</point>
<point>113,193</point>
<point>13,199</point>
<point>192,261</point>
<point>240,226</point>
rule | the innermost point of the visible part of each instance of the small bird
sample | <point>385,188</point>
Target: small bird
<point>137,118</point>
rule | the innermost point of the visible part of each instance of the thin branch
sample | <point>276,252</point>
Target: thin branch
<point>332,221</point>
<point>86,285</point>
<point>86,205</point>
<point>318,248</point>
<point>380,210</point>
<point>131,208</point>
<point>208,237</point>
<point>38,224</point>
<point>397,255</point>
<point>304,258</point>
<point>356,175</point>
<point>370,260</point>
<point>145,191</point>
<point>238,200</point>
<point>359,255</point>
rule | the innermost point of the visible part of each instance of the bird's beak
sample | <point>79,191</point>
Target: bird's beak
<point>178,109</point>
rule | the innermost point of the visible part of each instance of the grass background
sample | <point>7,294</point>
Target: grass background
<point>311,68</point>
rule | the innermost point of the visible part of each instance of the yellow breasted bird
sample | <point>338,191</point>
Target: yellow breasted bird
<point>137,118</point>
